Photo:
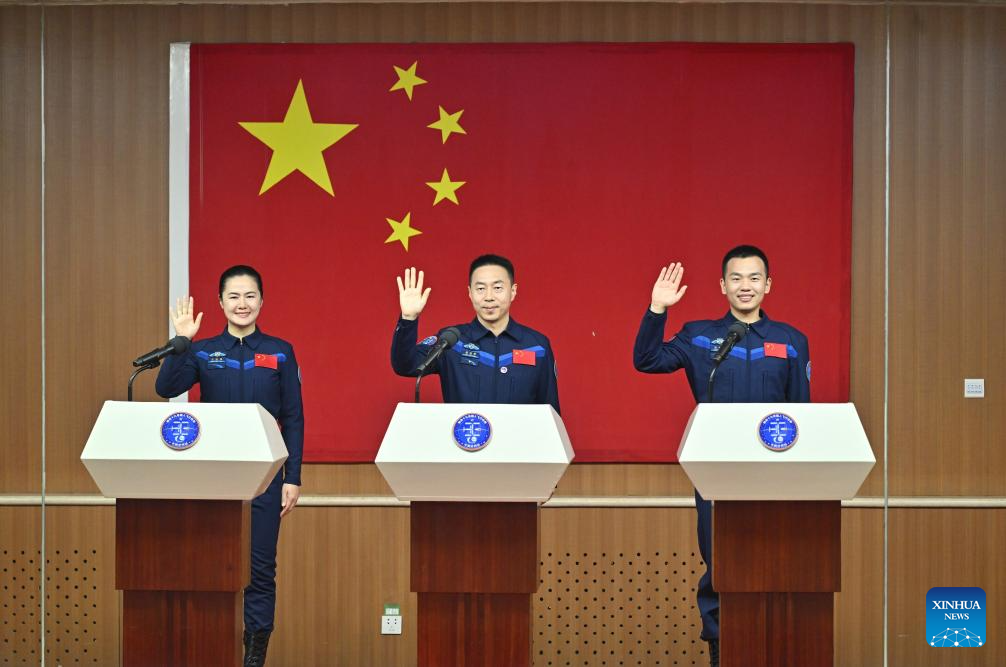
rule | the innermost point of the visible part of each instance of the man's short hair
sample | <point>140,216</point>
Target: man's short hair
<point>742,252</point>
<point>491,260</point>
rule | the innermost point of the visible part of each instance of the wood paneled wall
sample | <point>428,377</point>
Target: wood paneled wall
<point>339,566</point>
<point>82,605</point>
<point>21,249</point>
<point>20,585</point>
<point>948,250</point>
<point>106,277</point>
<point>943,547</point>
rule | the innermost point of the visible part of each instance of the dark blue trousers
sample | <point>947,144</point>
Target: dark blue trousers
<point>260,595</point>
<point>708,599</point>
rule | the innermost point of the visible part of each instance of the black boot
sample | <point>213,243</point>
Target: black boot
<point>256,644</point>
<point>714,653</point>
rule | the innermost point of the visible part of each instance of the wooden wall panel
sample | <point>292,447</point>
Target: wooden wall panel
<point>355,479</point>
<point>866,362</point>
<point>107,181</point>
<point>20,249</point>
<point>859,632</point>
<point>948,250</point>
<point>106,219</point>
<point>610,479</point>
<point>618,588</point>
<point>82,605</point>
<point>20,584</point>
<point>944,547</point>
<point>337,567</point>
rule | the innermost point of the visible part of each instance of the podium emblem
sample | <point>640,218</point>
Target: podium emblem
<point>778,431</point>
<point>180,431</point>
<point>472,432</point>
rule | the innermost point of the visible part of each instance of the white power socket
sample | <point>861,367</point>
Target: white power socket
<point>974,388</point>
<point>391,625</point>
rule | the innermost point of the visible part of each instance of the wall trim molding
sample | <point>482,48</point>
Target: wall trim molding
<point>558,502</point>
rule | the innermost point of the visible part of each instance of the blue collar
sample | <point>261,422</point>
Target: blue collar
<point>251,340</point>
<point>513,330</point>
<point>760,327</point>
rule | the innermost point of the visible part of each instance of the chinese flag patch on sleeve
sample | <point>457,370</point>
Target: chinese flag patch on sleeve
<point>525,357</point>
<point>270,361</point>
<point>775,350</point>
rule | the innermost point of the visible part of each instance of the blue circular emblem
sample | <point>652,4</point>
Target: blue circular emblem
<point>778,432</point>
<point>472,432</point>
<point>180,431</point>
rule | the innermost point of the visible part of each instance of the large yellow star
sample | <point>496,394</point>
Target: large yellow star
<point>402,230</point>
<point>297,143</point>
<point>447,124</point>
<point>445,189</point>
<point>407,79</point>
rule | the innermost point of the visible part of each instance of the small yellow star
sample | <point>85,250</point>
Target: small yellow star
<point>445,188</point>
<point>447,124</point>
<point>297,143</point>
<point>407,79</point>
<point>401,230</point>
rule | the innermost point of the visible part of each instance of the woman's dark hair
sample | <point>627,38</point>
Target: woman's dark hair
<point>240,270</point>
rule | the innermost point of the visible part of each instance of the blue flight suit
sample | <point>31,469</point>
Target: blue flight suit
<point>233,370</point>
<point>480,368</point>
<point>751,373</point>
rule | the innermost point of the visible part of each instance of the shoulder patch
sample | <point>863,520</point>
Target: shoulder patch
<point>429,340</point>
<point>808,371</point>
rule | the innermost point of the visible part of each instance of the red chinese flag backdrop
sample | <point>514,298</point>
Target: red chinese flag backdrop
<point>589,165</point>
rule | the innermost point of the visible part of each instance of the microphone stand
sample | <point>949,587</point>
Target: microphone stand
<point>419,378</point>
<point>144,367</point>
<point>712,379</point>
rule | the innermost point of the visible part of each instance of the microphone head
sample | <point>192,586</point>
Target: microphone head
<point>450,335</point>
<point>180,344</point>
<point>737,329</point>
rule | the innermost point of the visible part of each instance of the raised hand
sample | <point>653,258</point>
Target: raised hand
<point>668,289</point>
<point>181,318</point>
<point>411,295</point>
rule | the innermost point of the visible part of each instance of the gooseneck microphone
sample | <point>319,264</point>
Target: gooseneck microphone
<point>736,331</point>
<point>177,345</point>
<point>152,359</point>
<point>448,337</point>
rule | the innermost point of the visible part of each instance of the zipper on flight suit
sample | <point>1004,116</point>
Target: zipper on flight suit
<point>241,377</point>
<point>496,370</point>
<point>747,360</point>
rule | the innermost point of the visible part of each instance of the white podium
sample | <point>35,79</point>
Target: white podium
<point>183,475</point>
<point>526,455</point>
<point>777,474</point>
<point>239,451</point>
<point>476,474</point>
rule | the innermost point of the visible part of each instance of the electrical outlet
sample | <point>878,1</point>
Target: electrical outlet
<point>391,625</point>
<point>974,388</point>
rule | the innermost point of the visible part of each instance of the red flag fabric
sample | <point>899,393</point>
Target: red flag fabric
<point>331,168</point>
<point>524,357</point>
<point>266,361</point>
<point>775,350</point>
